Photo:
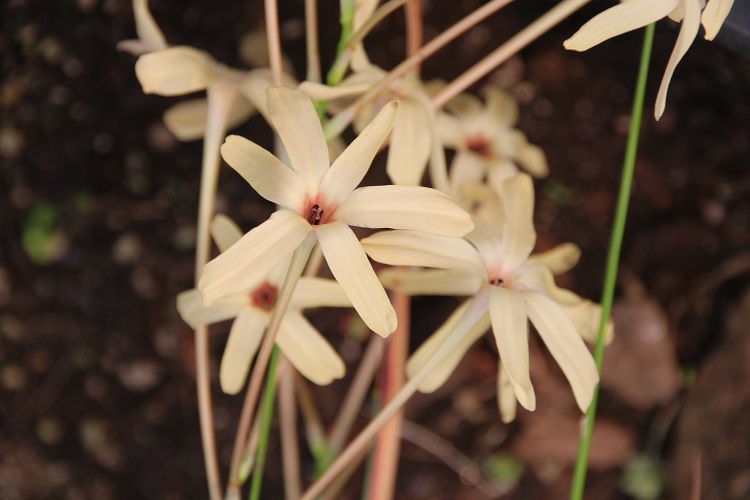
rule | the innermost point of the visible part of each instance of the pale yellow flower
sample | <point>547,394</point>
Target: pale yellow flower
<point>492,268</point>
<point>319,201</point>
<point>633,14</point>
<point>307,350</point>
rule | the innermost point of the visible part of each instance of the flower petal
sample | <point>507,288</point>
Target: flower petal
<point>586,316</point>
<point>298,125</point>
<point>194,313</point>
<point>272,179</point>
<point>714,15</point>
<point>558,260</point>
<point>148,31</point>
<point>466,168</point>
<point>410,144</point>
<point>308,351</point>
<point>530,157</point>
<point>431,281</point>
<point>510,327</point>
<point>502,107</point>
<point>242,344</point>
<point>353,271</point>
<point>416,208</point>
<point>319,292</point>
<point>174,71</point>
<point>224,232</point>
<point>327,93</point>
<point>251,258</point>
<point>351,166</point>
<point>409,248</point>
<point>506,397</point>
<point>540,280</point>
<point>187,119</point>
<point>565,345</point>
<point>688,32</point>
<point>617,20</point>
<point>519,235</point>
<point>422,355</point>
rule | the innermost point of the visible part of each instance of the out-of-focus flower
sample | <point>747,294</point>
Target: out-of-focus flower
<point>320,201</point>
<point>633,14</point>
<point>493,268</point>
<point>487,144</point>
<point>301,343</point>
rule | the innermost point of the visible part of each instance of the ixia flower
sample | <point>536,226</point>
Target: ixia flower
<point>633,14</point>
<point>487,144</point>
<point>320,201</point>
<point>493,268</point>
<point>300,341</point>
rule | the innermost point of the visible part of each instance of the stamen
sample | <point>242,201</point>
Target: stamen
<point>479,145</point>
<point>496,282</point>
<point>264,296</point>
<point>315,215</point>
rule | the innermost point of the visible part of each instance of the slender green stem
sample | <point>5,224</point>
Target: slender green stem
<point>613,259</point>
<point>265,424</point>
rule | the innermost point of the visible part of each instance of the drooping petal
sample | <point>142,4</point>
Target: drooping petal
<point>425,352</point>
<point>308,350</point>
<point>298,125</point>
<point>558,260</point>
<point>565,345</point>
<point>194,313</point>
<point>242,344</point>
<point>148,31</point>
<point>251,258</point>
<point>319,292</point>
<point>351,166</point>
<point>431,281</point>
<point>585,317</point>
<point>688,32</point>
<point>353,271</point>
<point>224,232</point>
<point>272,179</point>
<point>410,144</point>
<point>405,207</point>
<point>506,397</point>
<point>510,327</point>
<point>174,71</point>
<point>409,248</point>
<point>187,119</point>
<point>519,235</point>
<point>714,15</point>
<point>617,20</point>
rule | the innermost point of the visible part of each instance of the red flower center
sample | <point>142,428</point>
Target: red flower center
<point>264,296</point>
<point>479,145</point>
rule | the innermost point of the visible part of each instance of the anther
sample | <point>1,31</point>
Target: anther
<point>315,215</point>
<point>496,282</point>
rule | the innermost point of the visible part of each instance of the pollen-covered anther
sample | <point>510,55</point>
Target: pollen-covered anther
<point>264,296</point>
<point>496,282</point>
<point>316,213</point>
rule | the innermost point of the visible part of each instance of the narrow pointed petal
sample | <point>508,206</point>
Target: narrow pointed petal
<point>558,260</point>
<point>431,281</point>
<point>540,280</point>
<point>425,352</point>
<point>714,15</point>
<point>510,327</point>
<point>409,248</point>
<point>272,179</point>
<point>298,125</point>
<point>194,313</point>
<point>688,32</point>
<point>506,397</point>
<point>319,292</point>
<point>351,166</point>
<point>187,119</point>
<point>242,344</point>
<point>148,31</point>
<point>251,258</point>
<point>327,93</point>
<point>565,345</point>
<point>353,271</point>
<point>617,20</point>
<point>308,351</point>
<point>586,316</point>
<point>174,71</point>
<point>519,235</point>
<point>405,207</point>
<point>224,232</point>
<point>410,144</point>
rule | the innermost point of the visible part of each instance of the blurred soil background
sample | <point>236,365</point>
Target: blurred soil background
<point>97,215</point>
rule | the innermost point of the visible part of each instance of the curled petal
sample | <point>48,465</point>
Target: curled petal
<point>242,344</point>
<point>405,207</point>
<point>224,232</point>
<point>254,256</point>
<point>353,271</point>
<point>272,179</point>
<point>558,260</point>
<point>431,281</point>
<point>150,37</point>
<point>174,71</point>
<point>714,15</point>
<point>194,313</point>
<point>308,351</point>
<point>410,144</point>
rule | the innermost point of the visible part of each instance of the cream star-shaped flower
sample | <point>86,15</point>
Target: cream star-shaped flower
<point>320,201</point>
<point>505,292</point>
<point>300,341</point>
<point>633,14</point>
